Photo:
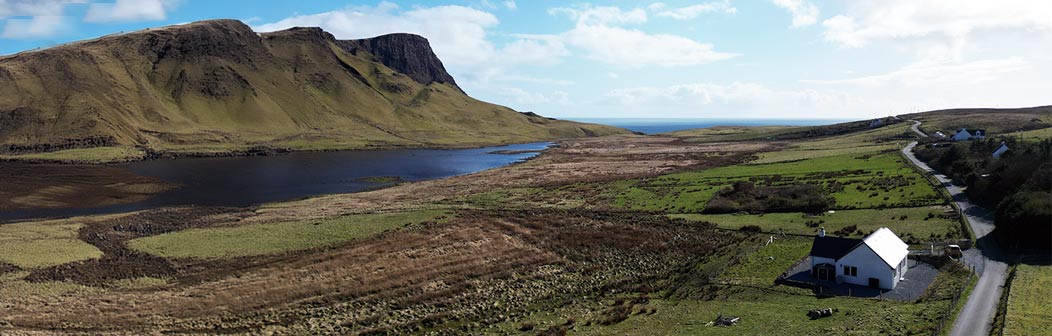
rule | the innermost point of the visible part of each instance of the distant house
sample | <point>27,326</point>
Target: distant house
<point>1000,150</point>
<point>876,123</point>
<point>965,134</point>
<point>877,261</point>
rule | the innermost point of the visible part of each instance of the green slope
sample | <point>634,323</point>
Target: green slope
<point>216,86</point>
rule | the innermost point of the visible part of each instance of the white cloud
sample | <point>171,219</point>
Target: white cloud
<point>693,11</point>
<point>804,12</point>
<point>34,27</point>
<point>937,74</point>
<point>588,15</point>
<point>597,32</point>
<point>510,4</point>
<point>129,10</point>
<point>538,80</point>
<point>953,43</point>
<point>33,19</point>
<point>751,100</point>
<point>873,20</point>
<point>534,50</point>
<point>634,48</point>
<point>524,97</point>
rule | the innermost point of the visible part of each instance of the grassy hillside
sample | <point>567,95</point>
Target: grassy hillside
<point>217,86</point>
<point>995,121</point>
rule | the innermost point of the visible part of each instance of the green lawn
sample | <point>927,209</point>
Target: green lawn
<point>1029,311</point>
<point>31,245</point>
<point>272,238</point>
<point>867,220</point>
<point>761,267</point>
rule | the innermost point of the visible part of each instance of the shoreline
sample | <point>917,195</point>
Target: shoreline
<point>152,154</point>
<point>389,181</point>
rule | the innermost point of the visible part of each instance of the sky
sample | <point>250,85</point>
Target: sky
<point>778,59</point>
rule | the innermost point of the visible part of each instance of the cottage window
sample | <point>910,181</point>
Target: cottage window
<point>850,270</point>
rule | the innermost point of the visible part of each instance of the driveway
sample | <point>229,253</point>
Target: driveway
<point>978,312</point>
<point>914,283</point>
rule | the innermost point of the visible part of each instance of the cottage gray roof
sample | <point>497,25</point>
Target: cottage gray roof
<point>833,247</point>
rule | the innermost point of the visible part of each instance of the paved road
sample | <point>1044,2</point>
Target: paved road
<point>916,129</point>
<point>978,312</point>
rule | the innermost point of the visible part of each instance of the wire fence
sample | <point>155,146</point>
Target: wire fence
<point>952,307</point>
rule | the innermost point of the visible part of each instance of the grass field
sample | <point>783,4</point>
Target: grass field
<point>761,267</point>
<point>32,245</point>
<point>13,287</point>
<point>732,133</point>
<point>745,290</point>
<point>273,238</point>
<point>793,155</point>
<point>1028,301</point>
<point>86,155</point>
<point>869,141</point>
<point>1036,135</point>
<point>909,223</point>
<point>855,181</point>
<point>772,313</point>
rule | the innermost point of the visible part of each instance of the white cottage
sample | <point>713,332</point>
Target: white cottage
<point>1000,150</point>
<point>965,134</point>
<point>877,261</point>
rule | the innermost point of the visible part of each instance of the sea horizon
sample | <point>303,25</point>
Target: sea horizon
<point>664,125</point>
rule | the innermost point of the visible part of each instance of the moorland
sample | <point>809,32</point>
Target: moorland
<point>624,234</point>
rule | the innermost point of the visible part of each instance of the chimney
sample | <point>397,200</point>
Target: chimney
<point>822,231</point>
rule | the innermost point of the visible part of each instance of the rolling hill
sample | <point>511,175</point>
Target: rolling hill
<point>217,86</point>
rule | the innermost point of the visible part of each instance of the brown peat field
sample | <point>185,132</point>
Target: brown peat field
<point>600,236</point>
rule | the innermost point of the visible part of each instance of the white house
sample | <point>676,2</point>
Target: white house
<point>965,134</point>
<point>1000,150</point>
<point>877,261</point>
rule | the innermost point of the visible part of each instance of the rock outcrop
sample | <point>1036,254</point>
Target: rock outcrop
<point>406,53</point>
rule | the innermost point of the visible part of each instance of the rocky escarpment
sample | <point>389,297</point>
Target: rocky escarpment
<point>220,85</point>
<point>406,53</point>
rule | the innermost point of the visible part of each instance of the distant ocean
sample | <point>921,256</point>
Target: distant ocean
<point>655,126</point>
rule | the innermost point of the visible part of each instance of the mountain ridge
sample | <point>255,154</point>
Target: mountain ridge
<point>216,85</point>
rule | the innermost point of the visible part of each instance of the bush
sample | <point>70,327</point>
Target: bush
<point>1025,220</point>
<point>745,196</point>
<point>750,228</point>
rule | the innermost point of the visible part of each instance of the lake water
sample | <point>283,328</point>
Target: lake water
<point>243,181</point>
<point>661,125</point>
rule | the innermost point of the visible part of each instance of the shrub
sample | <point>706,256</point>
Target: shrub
<point>750,228</point>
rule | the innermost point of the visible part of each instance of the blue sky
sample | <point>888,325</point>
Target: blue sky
<point>667,59</point>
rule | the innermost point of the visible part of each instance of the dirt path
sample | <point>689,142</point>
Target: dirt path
<point>978,312</point>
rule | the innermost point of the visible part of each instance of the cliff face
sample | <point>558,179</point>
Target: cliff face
<point>218,83</point>
<point>406,53</point>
